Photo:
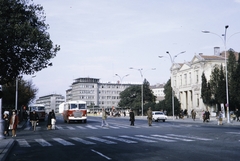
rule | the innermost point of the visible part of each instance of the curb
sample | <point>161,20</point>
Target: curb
<point>8,146</point>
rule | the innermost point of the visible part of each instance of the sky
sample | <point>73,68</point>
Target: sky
<point>102,38</point>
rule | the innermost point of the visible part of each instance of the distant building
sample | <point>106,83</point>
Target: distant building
<point>97,95</point>
<point>51,102</point>
<point>158,91</point>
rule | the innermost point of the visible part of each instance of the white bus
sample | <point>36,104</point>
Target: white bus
<point>40,110</point>
<point>73,111</point>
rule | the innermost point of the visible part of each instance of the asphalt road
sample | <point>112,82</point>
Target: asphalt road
<point>166,141</point>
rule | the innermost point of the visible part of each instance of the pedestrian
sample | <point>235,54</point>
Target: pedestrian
<point>104,118</point>
<point>49,121</point>
<point>207,116</point>
<point>220,118</point>
<point>237,113</point>
<point>132,117</point>
<point>149,116</point>
<point>6,125</point>
<point>53,120</point>
<point>193,114</point>
<point>13,123</point>
<point>34,119</point>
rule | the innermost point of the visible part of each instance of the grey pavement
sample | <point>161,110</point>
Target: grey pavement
<point>7,144</point>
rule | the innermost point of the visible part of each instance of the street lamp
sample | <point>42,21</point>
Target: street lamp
<point>172,61</point>
<point>140,71</point>
<point>121,78</point>
<point>225,47</point>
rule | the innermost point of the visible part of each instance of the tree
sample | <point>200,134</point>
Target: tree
<point>221,90</point>
<point>25,46</point>
<point>166,104</point>
<point>214,83</point>
<point>235,86</point>
<point>131,97</point>
<point>26,93</point>
<point>206,91</point>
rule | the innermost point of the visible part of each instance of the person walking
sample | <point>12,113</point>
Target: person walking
<point>13,123</point>
<point>220,118</point>
<point>207,116</point>
<point>104,118</point>
<point>149,116</point>
<point>193,114</point>
<point>237,113</point>
<point>49,119</point>
<point>6,125</point>
<point>53,120</point>
<point>34,119</point>
<point>132,117</point>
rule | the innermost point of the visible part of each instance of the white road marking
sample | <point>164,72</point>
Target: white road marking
<point>160,139</point>
<point>102,140</point>
<point>190,137</point>
<point>91,127</point>
<point>43,142</point>
<point>80,127</point>
<point>27,128</point>
<point>238,133</point>
<point>182,139</point>
<point>82,141</point>
<point>140,139</point>
<point>101,154</point>
<point>120,139</point>
<point>63,142</point>
<point>59,127</point>
<point>23,143</point>
<point>70,128</point>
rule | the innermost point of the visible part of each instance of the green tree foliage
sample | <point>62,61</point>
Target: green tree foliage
<point>221,90</point>
<point>214,83</point>
<point>234,87</point>
<point>131,97</point>
<point>25,46</point>
<point>166,104</point>
<point>26,93</point>
<point>206,91</point>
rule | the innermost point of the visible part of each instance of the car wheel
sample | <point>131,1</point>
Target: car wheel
<point>163,120</point>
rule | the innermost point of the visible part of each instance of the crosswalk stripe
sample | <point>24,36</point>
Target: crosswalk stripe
<point>70,128</point>
<point>91,127</point>
<point>173,138</point>
<point>103,127</point>
<point>23,143</point>
<point>190,137</point>
<point>82,141</point>
<point>27,128</point>
<point>120,139</point>
<point>238,133</point>
<point>160,139</point>
<point>43,142</point>
<point>140,139</point>
<point>102,140</point>
<point>63,142</point>
<point>59,127</point>
<point>80,127</point>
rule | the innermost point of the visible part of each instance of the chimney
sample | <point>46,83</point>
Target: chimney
<point>217,51</point>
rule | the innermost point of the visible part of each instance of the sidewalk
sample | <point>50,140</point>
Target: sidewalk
<point>7,144</point>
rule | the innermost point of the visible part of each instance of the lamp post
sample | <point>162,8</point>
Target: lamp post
<point>1,120</point>
<point>121,78</point>
<point>225,47</point>
<point>140,71</point>
<point>172,61</point>
<point>16,98</point>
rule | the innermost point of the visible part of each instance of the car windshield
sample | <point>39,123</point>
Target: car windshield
<point>158,113</point>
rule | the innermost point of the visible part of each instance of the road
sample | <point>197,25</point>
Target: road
<point>166,141</point>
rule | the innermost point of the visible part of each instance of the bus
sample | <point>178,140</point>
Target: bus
<point>73,111</point>
<point>40,110</point>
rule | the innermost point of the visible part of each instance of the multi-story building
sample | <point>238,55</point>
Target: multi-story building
<point>187,82</point>
<point>158,91</point>
<point>97,95</point>
<point>51,102</point>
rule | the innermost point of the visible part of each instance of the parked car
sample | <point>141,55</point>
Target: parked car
<point>158,115</point>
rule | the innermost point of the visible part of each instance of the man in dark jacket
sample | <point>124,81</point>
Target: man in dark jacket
<point>237,113</point>
<point>34,119</point>
<point>132,118</point>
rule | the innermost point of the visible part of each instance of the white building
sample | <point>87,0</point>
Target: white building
<point>96,94</point>
<point>51,102</point>
<point>158,91</point>
<point>187,82</point>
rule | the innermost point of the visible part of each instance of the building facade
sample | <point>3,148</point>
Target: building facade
<point>186,79</point>
<point>97,95</point>
<point>51,102</point>
<point>158,91</point>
